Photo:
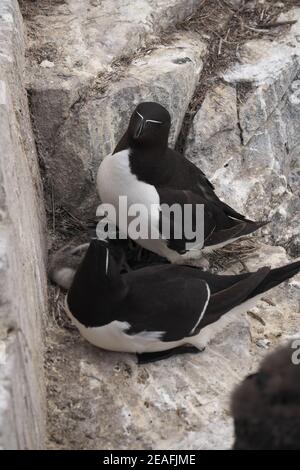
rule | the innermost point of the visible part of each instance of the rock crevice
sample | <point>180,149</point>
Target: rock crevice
<point>22,251</point>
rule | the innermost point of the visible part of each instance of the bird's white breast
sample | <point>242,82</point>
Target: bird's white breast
<point>116,179</point>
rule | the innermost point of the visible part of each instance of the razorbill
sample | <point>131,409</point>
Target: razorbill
<point>143,168</point>
<point>266,406</point>
<point>158,308</point>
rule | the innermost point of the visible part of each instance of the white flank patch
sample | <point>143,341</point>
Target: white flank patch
<point>113,337</point>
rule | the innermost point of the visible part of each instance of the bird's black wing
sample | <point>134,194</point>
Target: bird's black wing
<point>171,306</point>
<point>213,228</point>
<point>186,175</point>
<point>240,289</point>
<point>174,226</point>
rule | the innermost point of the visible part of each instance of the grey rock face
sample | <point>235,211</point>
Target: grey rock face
<point>246,135</point>
<point>82,37</point>
<point>214,138</point>
<point>168,75</point>
<point>234,3</point>
<point>22,271</point>
<point>72,45</point>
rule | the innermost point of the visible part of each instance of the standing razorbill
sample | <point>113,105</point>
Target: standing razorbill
<point>158,309</point>
<point>147,171</point>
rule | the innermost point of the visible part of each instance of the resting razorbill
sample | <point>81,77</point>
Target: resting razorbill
<point>158,308</point>
<point>144,169</point>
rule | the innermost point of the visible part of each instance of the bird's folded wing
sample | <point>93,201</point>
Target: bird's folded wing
<point>188,176</point>
<point>225,300</point>
<point>182,220</point>
<point>175,313</point>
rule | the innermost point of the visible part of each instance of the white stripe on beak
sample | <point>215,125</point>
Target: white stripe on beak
<point>155,122</point>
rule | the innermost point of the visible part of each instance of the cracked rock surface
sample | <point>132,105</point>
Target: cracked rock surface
<point>246,135</point>
<point>23,291</point>
<point>73,46</point>
<point>168,74</point>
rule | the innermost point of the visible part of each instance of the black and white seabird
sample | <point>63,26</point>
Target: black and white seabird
<point>266,406</point>
<point>158,309</point>
<point>143,168</point>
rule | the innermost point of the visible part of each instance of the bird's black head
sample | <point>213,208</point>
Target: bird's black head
<point>149,124</point>
<point>98,285</point>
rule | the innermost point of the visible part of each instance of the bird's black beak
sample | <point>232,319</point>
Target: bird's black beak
<point>139,128</point>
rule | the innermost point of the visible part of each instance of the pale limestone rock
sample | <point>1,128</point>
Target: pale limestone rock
<point>168,75</point>
<point>22,251</point>
<point>214,138</point>
<point>245,136</point>
<point>84,39</point>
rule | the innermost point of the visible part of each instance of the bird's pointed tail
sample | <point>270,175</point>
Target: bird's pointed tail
<point>275,277</point>
<point>246,288</point>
